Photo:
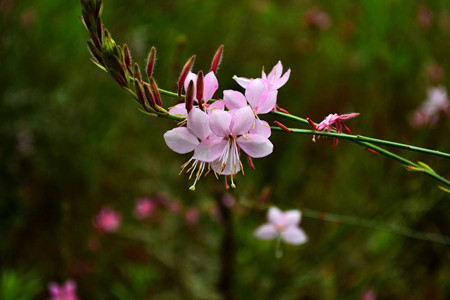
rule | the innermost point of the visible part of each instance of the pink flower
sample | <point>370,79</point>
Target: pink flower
<point>335,121</point>
<point>273,81</point>
<point>230,135</point>
<point>144,208</point>
<point>66,291</point>
<point>428,112</point>
<point>187,139</point>
<point>368,295</point>
<point>284,225</point>
<point>210,86</point>
<point>107,220</point>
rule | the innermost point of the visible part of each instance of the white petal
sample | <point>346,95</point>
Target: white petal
<point>292,217</point>
<point>220,123</point>
<point>255,145</point>
<point>234,99</point>
<point>210,150</point>
<point>294,235</point>
<point>198,123</point>
<point>274,215</point>
<point>178,110</point>
<point>266,232</point>
<point>242,81</point>
<point>180,140</point>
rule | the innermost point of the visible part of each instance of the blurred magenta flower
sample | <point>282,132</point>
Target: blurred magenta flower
<point>144,208</point>
<point>368,295</point>
<point>192,215</point>
<point>66,291</point>
<point>107,220</point>
<point>335,121</point>
<point>283,225</point>
<point>428,113</point>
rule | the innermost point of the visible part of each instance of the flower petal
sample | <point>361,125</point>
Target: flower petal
<point>231,167</point>
<point>210,85</point>
<point>266,232</point>
<point>178,110</point>
<point>255,145</point>
<point>242,81</point>
<point>276,72</point>
<point>274,215</point>
<point>254,92</point>
<point>210,149</point>
<point>198,123</point>
<point>261,128</point>
<point>267,102</point>
<point>234,99</point>
<point>294,235</point>
<point>292,217</point>
<point>216,105</point>
<point>282,81</point>
<point>190,77</point>
<point>242,120</point>
<point>180,140</point>
<point>220,123</point>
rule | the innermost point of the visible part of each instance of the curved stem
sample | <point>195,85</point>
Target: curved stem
<point>372,140</point>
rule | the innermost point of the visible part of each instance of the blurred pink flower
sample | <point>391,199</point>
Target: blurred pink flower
<point>368,295</point>
<point>428,113</point>
<point>66,291</point>
<point>284,225</point>
<point>317,19</point>
<point>175,206</point>
<point>144,208</point>
<point>335,121</point>
<point>107,220</point>
<point>192,215</point>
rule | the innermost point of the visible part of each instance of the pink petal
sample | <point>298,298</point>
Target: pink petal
<point>178,110</point>
<point>294,235</point>
<point>242,81</point>
<point>348,116</point>
<point>261,128</point>
<point>216,105</point>
<point>254,92</point>
<point>220,123</point>
<point>276,72</point>
<point>198,123</point>
<point>242,121</point>
<point>266,232</point>
<point>210,85</point>
<point>292,217</point>
<point>274,215</point>
<point>234,99</point>
<point>210,149</point>
<point>282,81</point>
<point>180,140</point>
<point>190,77</point>
<point>267,102</point>
<point>255,145</point>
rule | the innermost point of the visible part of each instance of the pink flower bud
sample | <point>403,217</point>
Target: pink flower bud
<point>184,73</point>
<point>151,62</point>
<point>107,220</point>
<point>217,59</point>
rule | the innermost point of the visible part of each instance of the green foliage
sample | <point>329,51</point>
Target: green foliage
<point>16,285</point>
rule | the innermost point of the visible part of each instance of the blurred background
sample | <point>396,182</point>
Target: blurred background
<point>73,143</point>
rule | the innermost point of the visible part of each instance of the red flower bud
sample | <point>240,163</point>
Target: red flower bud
<point>137,72</point>
<point>282,126</point>
<point>190,96</point>
<point>217,59</point>
<point>200,89</point>
<point>151,62</point>
<point>149,95</point>
<point>155,91</point>
<point>184,73</point>
<point>127,57</point>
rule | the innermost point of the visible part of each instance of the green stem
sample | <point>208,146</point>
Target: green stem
<point>372,140</point>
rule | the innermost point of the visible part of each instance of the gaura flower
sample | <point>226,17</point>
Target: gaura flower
<point>273,81</point>
<point>230,135</point>
<point>66,291</point>
<point>283,225</point>
<point>428,113</point>
<point>335,121</point>
<point>187,139</point>
<point>107,220</point>
<point>210,86</point>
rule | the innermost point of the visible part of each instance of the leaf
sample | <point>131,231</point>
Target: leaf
<point>427,167</point>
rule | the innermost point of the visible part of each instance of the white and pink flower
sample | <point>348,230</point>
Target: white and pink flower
<point>282,225</point>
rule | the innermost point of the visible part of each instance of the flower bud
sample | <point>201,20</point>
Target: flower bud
<point>151,62</point>
<point>200,89</point>
<point>139,92</point>
<point>154,88</point>
<point>190,96</point>
<point>184,73</point>
<point>127,56</point>
<point>149,95</point>
<point>217,59</point>
<point>137,72</point>
<point>95,52</point>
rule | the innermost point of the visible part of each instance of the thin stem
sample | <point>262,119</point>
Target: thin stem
<point>358,140</point>
<point>349,220</point>
<point>372,140</point>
